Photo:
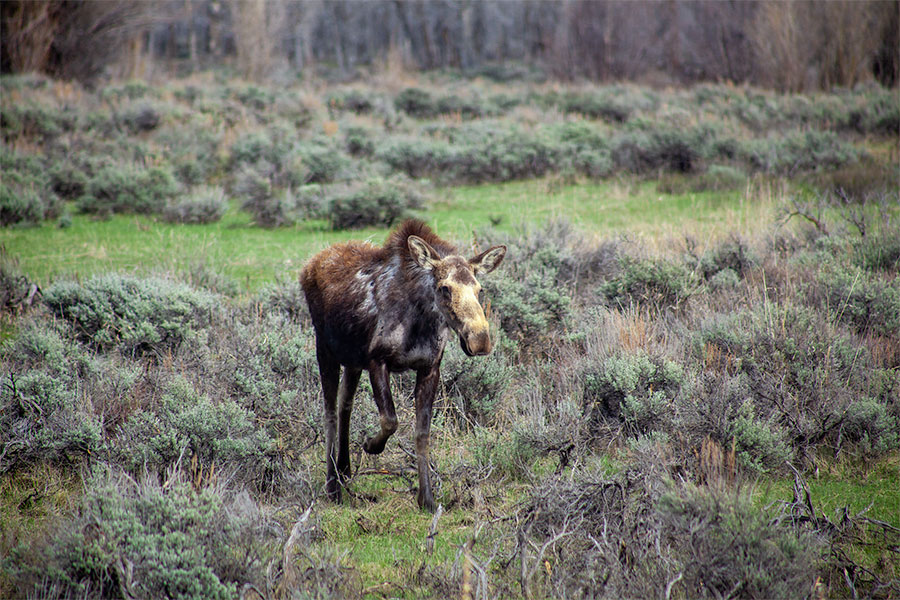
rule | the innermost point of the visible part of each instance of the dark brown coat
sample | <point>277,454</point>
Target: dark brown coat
<point>387,309</point>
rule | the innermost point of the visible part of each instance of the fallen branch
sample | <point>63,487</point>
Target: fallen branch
<point>433,530</point>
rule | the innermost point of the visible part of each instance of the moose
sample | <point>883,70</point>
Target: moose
<point>385,310</point>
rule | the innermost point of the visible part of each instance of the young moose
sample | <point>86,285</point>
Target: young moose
<point>391,309</point>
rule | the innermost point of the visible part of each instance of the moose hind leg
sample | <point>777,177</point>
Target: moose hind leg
<point>345,406</point>
<point>381,389</point>
<point>330,373</point>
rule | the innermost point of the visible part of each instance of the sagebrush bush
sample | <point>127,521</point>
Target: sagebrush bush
<point>528,297</point>
<point>286,298</point>
<point>203,205</point>
<point>20,205</point>
<point>863,300</point>
<point>68,179</point>
<point>135,315</point>
<point>878,251</point>
<point>355,101</point>
<point>726,545</point>
<point>606,106</point>
<point>640,150</point>
<point>269,207</point>
<point>476,386</point>
<point>27,195</point>
<point>658,283</point>
<point>140,118</point>
<point>149,540</point>
<point>639,534</point>
<point>533,292</point>
<point>415,102</point>
<point>732,254</point>
<point>798,151</point>
<point>717,178</point>
<point>133,89</point>
<point>800,375</point>
<point>466,108</point>
<point>271,144</point>
<point>359,142</point>
<point>316,163</point>
<point>505,455</point>
<point>16,291</point>
<point>416,157</point>
<point>377,202</point>
<point>193,151</point>
<point>200,274</point>
<point>128,189</point>
<point>42,417</point>
<point>207,432</point>
<point>33,120</point>
<point>635,390</point>
<point>251,96</point>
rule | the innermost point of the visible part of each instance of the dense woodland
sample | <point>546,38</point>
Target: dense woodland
<point>791,46</point>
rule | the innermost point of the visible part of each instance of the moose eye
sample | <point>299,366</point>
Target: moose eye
<point>444,291</point>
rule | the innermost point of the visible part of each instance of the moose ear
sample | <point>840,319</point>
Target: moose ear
<point>421,252</point>
<point>488,260</point>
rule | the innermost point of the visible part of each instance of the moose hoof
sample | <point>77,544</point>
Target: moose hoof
<point>333,491</point>
<point>373,446</point>
<point>426,502</point>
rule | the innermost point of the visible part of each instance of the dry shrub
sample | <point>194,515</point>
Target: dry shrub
<point>16,292</point>
<point>639,534</point>
<point>844,571</point>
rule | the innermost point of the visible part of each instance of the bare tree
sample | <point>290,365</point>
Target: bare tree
<point>72,40</point>
<point>847,43</point>
<point>791,45</point>
<point>254,44</point>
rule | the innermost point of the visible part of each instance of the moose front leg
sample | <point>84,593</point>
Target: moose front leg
<point>426,388</point>
<point>381,390</point>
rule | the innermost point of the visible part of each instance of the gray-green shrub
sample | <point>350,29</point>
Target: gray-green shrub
<point>128,189</point>
<point>149,540</point>
<point>724,545</point>
<point>636,390</point>
<point>192,426</point>
<point>206,204</point>
<point>134,315</point>
<point>658,283</point>
<point>377,202</point>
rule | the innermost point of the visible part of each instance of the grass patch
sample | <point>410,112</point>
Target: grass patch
<point>841,485</point>
<point>255,256</point>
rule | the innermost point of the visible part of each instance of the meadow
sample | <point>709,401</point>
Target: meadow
<point>695,388</point>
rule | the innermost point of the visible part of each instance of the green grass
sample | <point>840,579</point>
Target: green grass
<point>382,534</point>
<point>255,257</point>
<point>841,485</point>
<point>870,490</point>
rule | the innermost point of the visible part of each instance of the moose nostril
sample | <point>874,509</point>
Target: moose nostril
<point>480,343</point>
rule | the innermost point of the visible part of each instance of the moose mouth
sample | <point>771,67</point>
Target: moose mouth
<point>465,347</point>
<point>483,351</point>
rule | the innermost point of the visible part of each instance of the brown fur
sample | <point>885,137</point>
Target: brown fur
<point>387,309</point>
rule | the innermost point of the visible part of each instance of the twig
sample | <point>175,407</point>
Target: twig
<point>671,584</point>
<point>433,531</point>
<point>299,529</point>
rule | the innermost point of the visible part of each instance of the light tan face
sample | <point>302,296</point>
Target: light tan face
<point>457,291</point>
